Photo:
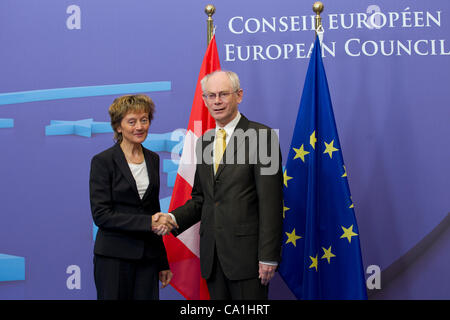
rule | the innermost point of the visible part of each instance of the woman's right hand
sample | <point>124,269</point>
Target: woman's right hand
<point>162,223</point>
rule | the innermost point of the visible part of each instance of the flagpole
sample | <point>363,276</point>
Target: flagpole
<point>209,10</point>
<point>318,8</point>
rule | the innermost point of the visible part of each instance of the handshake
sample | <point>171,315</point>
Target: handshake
<point>162,223</point>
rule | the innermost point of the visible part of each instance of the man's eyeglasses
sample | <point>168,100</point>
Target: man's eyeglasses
<point>223,95</point>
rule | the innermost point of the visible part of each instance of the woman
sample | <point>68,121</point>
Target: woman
<point>124,192</point>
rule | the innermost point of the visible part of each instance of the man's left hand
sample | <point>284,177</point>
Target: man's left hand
<point>266,273</point>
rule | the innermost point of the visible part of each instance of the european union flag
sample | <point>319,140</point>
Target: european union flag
<point>321,255</point>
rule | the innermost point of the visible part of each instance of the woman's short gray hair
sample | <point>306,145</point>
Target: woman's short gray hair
<point>234,78</point>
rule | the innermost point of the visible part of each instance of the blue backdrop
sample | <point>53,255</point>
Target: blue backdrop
<point>63,62</point>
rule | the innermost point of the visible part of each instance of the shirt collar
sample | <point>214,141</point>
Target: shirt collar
<point>230,126</point>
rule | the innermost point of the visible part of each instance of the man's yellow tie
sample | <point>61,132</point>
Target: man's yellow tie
<point>219,147</point>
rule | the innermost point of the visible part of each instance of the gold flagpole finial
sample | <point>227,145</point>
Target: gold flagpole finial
<point>209,10</point>
<point>318,8</point>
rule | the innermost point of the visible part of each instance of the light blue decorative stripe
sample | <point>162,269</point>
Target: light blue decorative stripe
<point>171,177</point>
<point>170,165</point>
<point>84,128</point>
<point>165,203</point>
<point>94,231</point>
<point>79,92</point>
<point>171,168</point>
<point>12,268</point>
<point>6,123</point>
<point>164,142</point>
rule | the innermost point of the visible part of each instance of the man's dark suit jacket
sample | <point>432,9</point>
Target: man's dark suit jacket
<point>123,219</point>
<point>239,208</point>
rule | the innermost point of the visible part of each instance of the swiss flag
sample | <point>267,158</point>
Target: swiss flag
<point>183,251</point>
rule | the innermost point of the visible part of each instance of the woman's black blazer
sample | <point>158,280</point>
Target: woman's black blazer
<point>123,219</point>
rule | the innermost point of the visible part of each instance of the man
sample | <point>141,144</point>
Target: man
<point>239,201</point>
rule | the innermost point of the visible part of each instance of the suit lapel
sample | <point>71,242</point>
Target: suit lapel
<point>208,138</point>
<point>121,162</point>
<point>243,125</point>
<point>151,171</point>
